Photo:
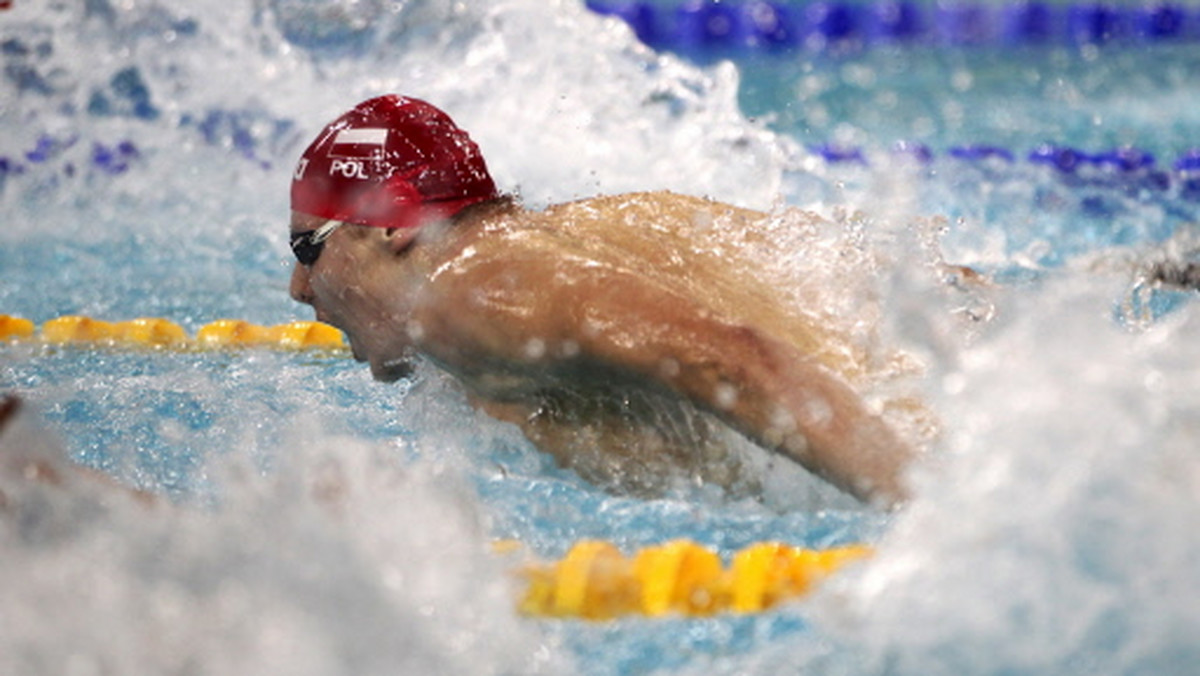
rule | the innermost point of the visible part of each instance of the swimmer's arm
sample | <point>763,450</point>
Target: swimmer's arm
<point>771,391</point>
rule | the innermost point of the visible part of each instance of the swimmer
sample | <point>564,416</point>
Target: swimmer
<point>562,320</point>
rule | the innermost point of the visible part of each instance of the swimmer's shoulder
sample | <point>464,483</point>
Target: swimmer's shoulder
<point>657,205</point>
<point>639,230</point>
<point>508,224</point>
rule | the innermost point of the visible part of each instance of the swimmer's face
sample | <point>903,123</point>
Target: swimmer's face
<point>349,286</point>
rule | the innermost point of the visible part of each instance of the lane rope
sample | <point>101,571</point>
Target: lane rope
<point>162,334</point>
<point>595,581</point>
<point>1120,171</point>
<point>1116,168</point>
<point>731,27</point>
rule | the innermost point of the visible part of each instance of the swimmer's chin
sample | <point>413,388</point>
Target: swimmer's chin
<point>392,370</point>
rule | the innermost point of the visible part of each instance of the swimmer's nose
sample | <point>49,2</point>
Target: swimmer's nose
<point>300,289</point>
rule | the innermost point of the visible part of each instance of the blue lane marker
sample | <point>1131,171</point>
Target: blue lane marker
<point>981,153</point>
<point>839,155</point>
<point>1188,169</point>
<point>114,159</point>
<point>1120,169</point>
<point>723,26</point>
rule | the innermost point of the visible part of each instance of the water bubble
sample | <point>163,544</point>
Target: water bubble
<point>725,396</point>
<point>534,349</point>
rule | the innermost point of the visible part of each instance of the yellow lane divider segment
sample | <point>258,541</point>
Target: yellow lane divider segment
<point>163,334</point>
<point>595,581</point>
<point>679,576</point>
<point>296,335</point>
<point>15,328</point>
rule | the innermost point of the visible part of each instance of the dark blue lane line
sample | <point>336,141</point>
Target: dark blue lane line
<point>759,26</point>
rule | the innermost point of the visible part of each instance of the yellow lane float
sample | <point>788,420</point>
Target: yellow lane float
<point>679,576</point>
<point>149,331</point>
<point>293,336</point>
<point>232,333</point>
<point>595,581</point>
<point>163,334</point>
<point>75,329</point>
<point>15,328</point>
<point>306,335</point>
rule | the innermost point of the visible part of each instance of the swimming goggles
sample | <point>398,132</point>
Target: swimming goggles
<point>308,245</point>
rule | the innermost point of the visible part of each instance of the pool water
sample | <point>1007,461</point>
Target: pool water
<point>1051,532</point>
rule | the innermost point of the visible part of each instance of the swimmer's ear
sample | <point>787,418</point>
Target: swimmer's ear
<point>400,239</point>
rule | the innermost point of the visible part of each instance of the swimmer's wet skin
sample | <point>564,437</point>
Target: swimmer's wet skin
<point>404,243</point>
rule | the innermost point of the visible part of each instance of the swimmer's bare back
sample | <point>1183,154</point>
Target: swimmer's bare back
<point>517,305</point>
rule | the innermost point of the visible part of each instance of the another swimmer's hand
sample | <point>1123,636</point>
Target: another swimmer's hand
<point>962,277</point>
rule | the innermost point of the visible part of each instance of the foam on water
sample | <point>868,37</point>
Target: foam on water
<point>219,93</point>
<point>305,572</point>
<point>1052,535</point>
<point>315,522</point>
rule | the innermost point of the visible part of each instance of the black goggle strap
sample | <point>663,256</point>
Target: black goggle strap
<point>307,245</point>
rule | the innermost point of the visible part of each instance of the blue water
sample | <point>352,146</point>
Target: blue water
<point>1054,533</point>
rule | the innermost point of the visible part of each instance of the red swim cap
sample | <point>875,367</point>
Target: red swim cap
<point>391,162</point>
